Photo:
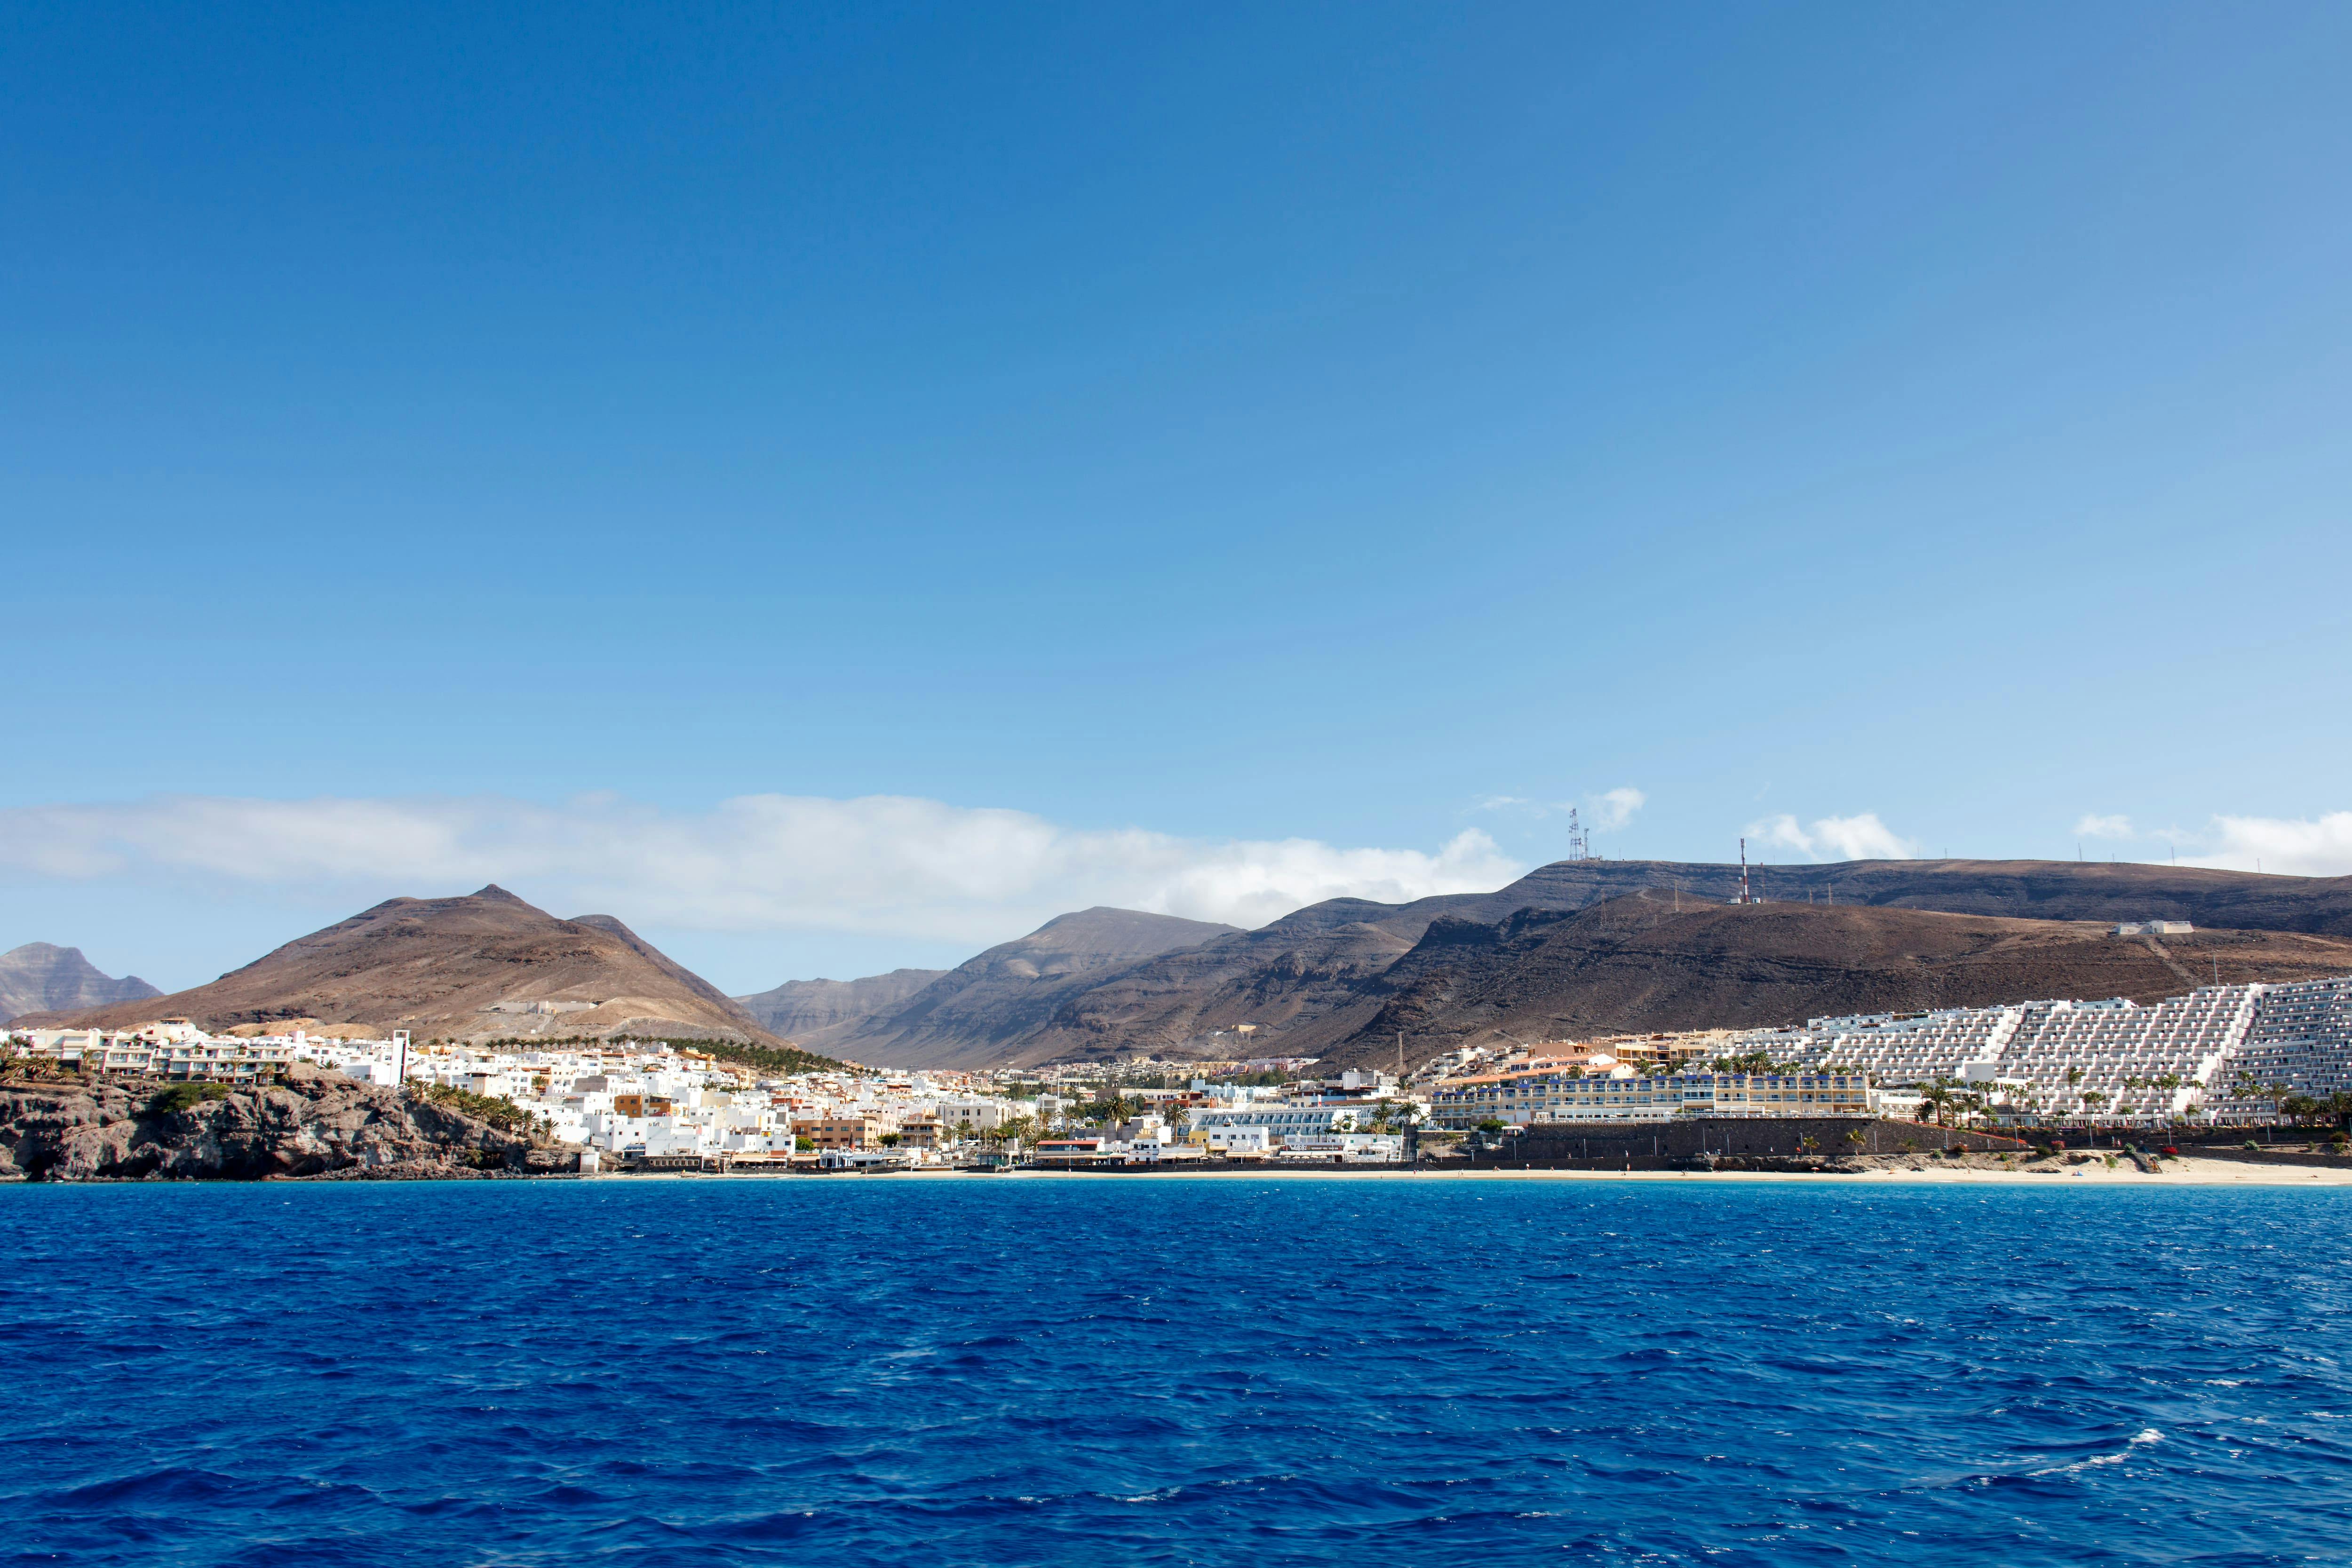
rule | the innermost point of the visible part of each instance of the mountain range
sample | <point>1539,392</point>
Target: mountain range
<point>1574,948</point>
<point>39,978</point>
<point>1318,980</point>
<point>1637,963</point>
<point>484,965</point>
<point>1012,991</point>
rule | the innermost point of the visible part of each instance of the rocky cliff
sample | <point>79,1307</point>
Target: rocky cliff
<point>316,1123</point>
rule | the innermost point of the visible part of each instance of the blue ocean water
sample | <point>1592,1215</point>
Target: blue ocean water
<point>1009,1371</point>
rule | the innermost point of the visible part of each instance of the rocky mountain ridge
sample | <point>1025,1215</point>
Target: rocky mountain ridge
<point>38,978</point>
<point>811,1011</point>
<point>1313,977</point>
<point>1637,964</point>
<point>1013,988</point>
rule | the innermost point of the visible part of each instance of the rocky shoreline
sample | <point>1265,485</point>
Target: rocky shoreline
<point>311,1125</point>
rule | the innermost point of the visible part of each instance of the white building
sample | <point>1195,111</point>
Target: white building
<point>1282,1122</point>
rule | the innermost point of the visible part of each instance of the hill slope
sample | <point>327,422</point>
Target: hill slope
<point>439,966</point>
<point>1008,992</point>
<point>814,1012</point>
<point>1306,978</point>
<point>1637,964</point>
<point>38,978</point>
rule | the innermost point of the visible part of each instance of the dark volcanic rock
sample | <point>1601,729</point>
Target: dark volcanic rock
<point>316,1123</point>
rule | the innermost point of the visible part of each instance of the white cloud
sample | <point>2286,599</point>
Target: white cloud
<point>2320,846</point>
<point>1616,807</point>
<point>1610,809</point>
<point>2094,826</point>
<point>1857,838</point>
<point>881,864</point>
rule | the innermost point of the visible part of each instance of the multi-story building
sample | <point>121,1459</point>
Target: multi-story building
<point>2300,1043</point>
<point>838,1131</point>
<point>1553,1092</point>
<point>220,1060</point>
<point>2115,1057</point>
<point>1775,1093</point>
<point>1281,1120</point>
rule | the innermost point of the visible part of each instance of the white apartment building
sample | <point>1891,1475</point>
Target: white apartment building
<point>2105,1059</point>
<point>2300,1043</point>
<point>1555,1091</point>
<point>1282,1122</point>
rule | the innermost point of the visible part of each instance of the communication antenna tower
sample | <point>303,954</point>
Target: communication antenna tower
<point>1745,895</point>
<point>1579,848</point>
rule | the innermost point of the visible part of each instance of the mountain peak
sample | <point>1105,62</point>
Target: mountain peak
<point>456,967</point>
<point>39,978</point>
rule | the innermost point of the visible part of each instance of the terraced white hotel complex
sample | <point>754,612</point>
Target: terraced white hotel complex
<point>2232,1051</point>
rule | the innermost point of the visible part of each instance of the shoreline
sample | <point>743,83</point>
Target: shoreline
<point>2185,1172</point>
<point>2188,1172</point>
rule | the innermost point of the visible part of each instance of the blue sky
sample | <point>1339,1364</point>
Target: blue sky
<point>833,489</point>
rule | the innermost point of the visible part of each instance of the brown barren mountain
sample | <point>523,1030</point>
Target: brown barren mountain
<point>1011,992</point>
<point>437,967</point>
<point>814,1012</point>
<point>1313,977</point>
<point>1637,964</point>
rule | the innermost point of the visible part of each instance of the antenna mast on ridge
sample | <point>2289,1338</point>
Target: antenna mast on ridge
<point>1579,843</point>
<point>1745,895</point>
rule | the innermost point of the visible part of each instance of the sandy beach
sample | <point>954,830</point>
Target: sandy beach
<point>2184,1172</point>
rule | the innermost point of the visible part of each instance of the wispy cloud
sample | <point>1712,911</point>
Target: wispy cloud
<point>1610,809</point>
<point>2315,846</point>
<point>1856,838</point>
<point>1615,807</point>
<point>2094,826</point>
<point>882,865</point>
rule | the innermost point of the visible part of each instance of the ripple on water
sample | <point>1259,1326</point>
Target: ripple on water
<point>1165,1372</point>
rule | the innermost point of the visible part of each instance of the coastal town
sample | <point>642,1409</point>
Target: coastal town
<point>2234,1055</point>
